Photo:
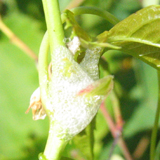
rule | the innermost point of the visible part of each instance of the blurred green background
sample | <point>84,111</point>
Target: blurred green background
<point>21,138</point>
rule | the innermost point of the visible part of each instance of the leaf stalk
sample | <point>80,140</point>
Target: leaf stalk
<point>96,11</point>
<point>155,127</point>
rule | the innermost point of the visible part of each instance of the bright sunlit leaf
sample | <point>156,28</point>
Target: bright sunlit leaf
<point>139,35</point>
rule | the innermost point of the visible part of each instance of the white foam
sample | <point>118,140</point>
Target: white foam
<point>72,113</point>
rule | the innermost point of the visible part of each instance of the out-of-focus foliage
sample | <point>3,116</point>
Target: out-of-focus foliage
<point>135,83</point>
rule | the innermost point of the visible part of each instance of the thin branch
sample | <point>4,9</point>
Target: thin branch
<point>109,120</point>
<point>117,111</point>
<point>116,132</point>
<point>15,40</point>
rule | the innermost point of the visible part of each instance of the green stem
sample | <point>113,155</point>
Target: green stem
<point>54,38</point>
<point>96,11</point>
<point>54,24</point>
<point>54,145</point>
<point>43,68</point>
<point>155,127</point>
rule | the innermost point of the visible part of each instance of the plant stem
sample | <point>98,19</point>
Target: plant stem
<point>54,145</point>
<point>54,38</point>
<point>54,24</point>
<point>96,11</point>
<point>43,69</point>
<point>155,127</point>
<point>116,132</point>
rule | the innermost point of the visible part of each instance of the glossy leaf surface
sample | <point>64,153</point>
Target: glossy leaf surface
<point>139,35</point>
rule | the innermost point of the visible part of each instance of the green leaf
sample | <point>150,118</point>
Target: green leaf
<point>138,35</point>
<point>69,18</point>
<point>100,87</point>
